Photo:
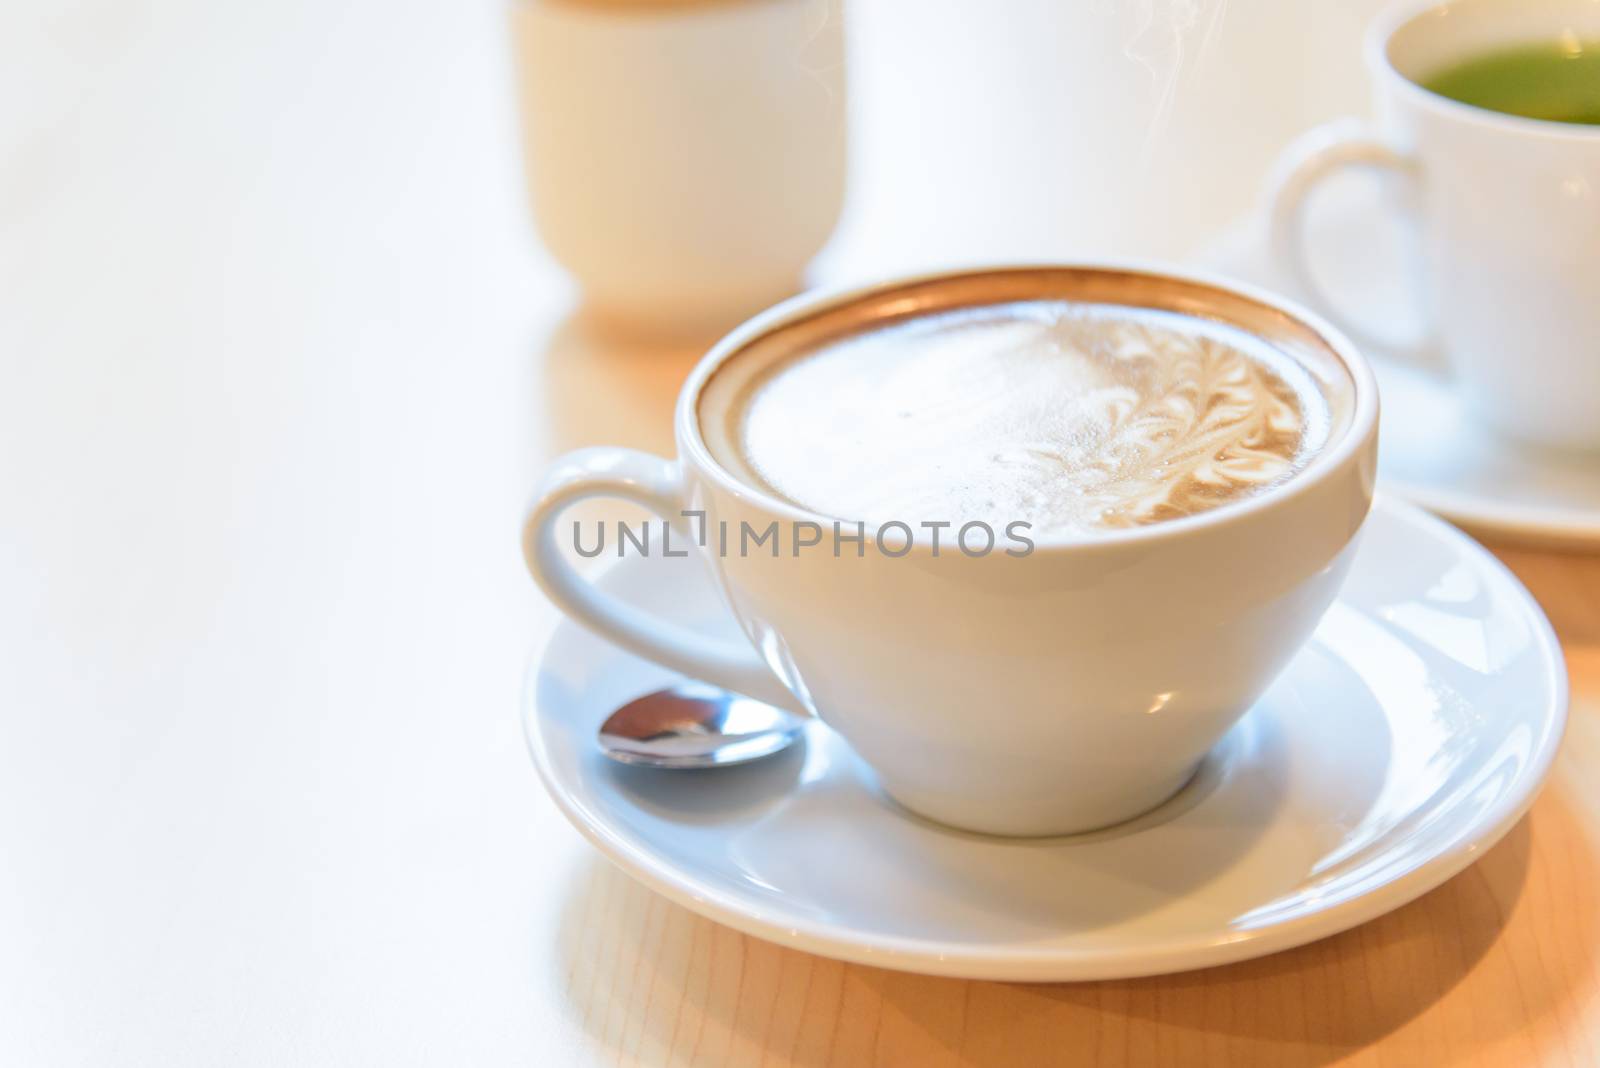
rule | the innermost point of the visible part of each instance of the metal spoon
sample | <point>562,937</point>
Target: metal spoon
<point>693,725</point>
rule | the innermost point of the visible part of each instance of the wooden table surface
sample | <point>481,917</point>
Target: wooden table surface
<point>282,359</point>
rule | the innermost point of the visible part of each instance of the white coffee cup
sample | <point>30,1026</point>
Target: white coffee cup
<point>1509,213</point>
<point>1068,688</point>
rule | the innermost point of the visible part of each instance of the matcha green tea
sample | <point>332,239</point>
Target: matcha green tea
<point>1558,81</point>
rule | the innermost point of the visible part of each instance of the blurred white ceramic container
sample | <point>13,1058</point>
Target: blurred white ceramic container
<point>686,160</point>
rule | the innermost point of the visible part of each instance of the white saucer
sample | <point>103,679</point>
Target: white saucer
<point>1432,452</point>
<point>1406,739</point>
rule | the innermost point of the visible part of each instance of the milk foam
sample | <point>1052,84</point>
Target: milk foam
<point>1071,417</point>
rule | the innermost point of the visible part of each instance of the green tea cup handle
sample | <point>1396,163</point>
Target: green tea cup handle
<point>1308,160</point>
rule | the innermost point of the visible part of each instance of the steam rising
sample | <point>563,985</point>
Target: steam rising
<point>1168,38</point>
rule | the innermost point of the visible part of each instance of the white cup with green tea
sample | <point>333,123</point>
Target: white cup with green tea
<point>1489,111</point>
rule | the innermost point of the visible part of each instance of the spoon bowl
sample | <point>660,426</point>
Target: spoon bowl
<point>696,725</point>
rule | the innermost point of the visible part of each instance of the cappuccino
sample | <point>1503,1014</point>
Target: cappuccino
<point>1112,404</point>
<point>1073,417</point>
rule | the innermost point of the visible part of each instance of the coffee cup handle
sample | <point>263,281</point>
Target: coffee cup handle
<point>657,485</point>
<point>1309,159</point>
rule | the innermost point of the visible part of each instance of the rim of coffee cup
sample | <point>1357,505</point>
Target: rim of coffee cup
<point>1400,15</point>
<point>1359,431</point>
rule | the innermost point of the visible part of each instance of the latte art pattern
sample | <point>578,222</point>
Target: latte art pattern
<point>1073,418</point>
<point>1192,422</point>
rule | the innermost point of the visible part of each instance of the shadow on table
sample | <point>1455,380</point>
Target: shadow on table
<point>598,386</point>
<point>655,984</point>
